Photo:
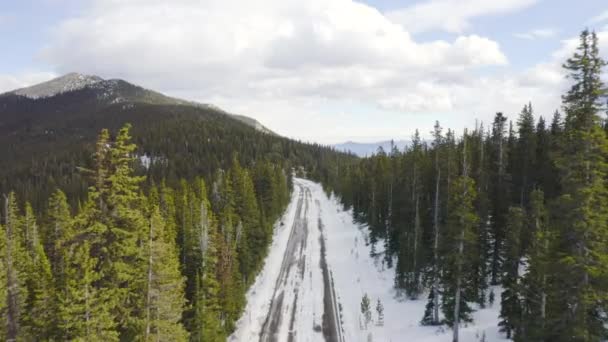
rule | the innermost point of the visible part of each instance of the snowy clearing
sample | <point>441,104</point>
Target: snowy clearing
<point>317,271</point>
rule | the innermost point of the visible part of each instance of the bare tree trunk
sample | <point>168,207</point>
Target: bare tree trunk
<point>184,235</point>
<point>543,294</point>
<point>460,249</point>
<point>149,288</point>
<point>458,285</point>
<point>374,204</point>
<point>448,180</point>
<point>390,207</point>
<point>12,320</point>
<point>496,247</point>
<point>87,310</point>
<point>157,319</point>
<point>584,250</point>
<point>416,233</point>
<point>543,301</point>
<point>436,251</point>
<point>204,234</point>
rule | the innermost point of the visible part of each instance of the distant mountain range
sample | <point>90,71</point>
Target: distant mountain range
<point>367,149</point>
<point>115,91</point>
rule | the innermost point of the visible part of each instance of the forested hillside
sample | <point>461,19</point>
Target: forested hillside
<point>521,203</point>
<point>161,264</point>
<point>45,140</point>
<point>149,231</point>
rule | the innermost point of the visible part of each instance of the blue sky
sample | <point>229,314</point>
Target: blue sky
<point>25,26</point>
<point>322,70</point>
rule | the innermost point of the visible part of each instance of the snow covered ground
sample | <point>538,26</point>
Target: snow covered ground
<point>303,294</point>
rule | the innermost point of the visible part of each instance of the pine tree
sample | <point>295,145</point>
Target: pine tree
<point>510,303</point>
<point>428,318</point>
<point>582,163</point>
<point>499,194</point>
<point>200,245</point>
<point>366,310</point>
<point>168,210</point>
<point>84,311</point>
<point>524,156</point>
<point>165,300</point>
<point>459,240</point>
<point>3,277</point>
<point>545,172</point>
<point>380,312</point>
<point>254,236</point>
<point>483,245</point>
<point>101,172</point>
<point>434,295</point>
<point>231,294</point>
<point>127,227</point>
<point>15,265</point>
<point>60,231</point>
<point>206,306</point>
<point>409,263</point>
<point>39,282</point>
<point>535,282</point>
<point>113,223</point>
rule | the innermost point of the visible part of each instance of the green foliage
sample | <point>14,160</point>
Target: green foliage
<point>457,246</point>
<point>16,265</point>
<point>84,312</point>
<point>583,216</point>
<point>137,261</point>
<point>164,287</point>
<point>510,305</point>
<point>542,194</point>
<point>45,141</point>
<point>535,282</point>
<point>527,195</point>
<point>39,282</point>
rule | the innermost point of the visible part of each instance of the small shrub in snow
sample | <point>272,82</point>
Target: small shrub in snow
<point>366,310</point>
<point>380,311</point>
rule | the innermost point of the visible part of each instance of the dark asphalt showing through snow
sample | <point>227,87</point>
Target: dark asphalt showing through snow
<point>294,260</point>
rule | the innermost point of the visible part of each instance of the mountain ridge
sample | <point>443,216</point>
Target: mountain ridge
<point>363,149</point>
<point>115,91</point>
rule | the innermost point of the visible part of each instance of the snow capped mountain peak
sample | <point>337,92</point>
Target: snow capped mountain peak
<point>69,82</point>
<point>116,91</point>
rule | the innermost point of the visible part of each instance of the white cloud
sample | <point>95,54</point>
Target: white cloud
<point>14,81</point>
<point>280,35</point>
<point>318,69</point>
<point>599,18</point>
<point>452,15</point>
<point>537,34</point>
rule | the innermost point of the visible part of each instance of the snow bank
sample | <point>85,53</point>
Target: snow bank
<point>355,273</point>
<point>260,294</point>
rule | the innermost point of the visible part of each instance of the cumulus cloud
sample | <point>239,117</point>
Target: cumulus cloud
<point>273,35</point>
<point>278,48</point>
<point>452,15</point>
<point>301,65</point>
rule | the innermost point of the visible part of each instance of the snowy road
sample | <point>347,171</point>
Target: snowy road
<point>293,299</point>
<point>316,273</point>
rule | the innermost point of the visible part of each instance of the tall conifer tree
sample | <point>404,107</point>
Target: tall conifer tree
<point>582,161</point>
